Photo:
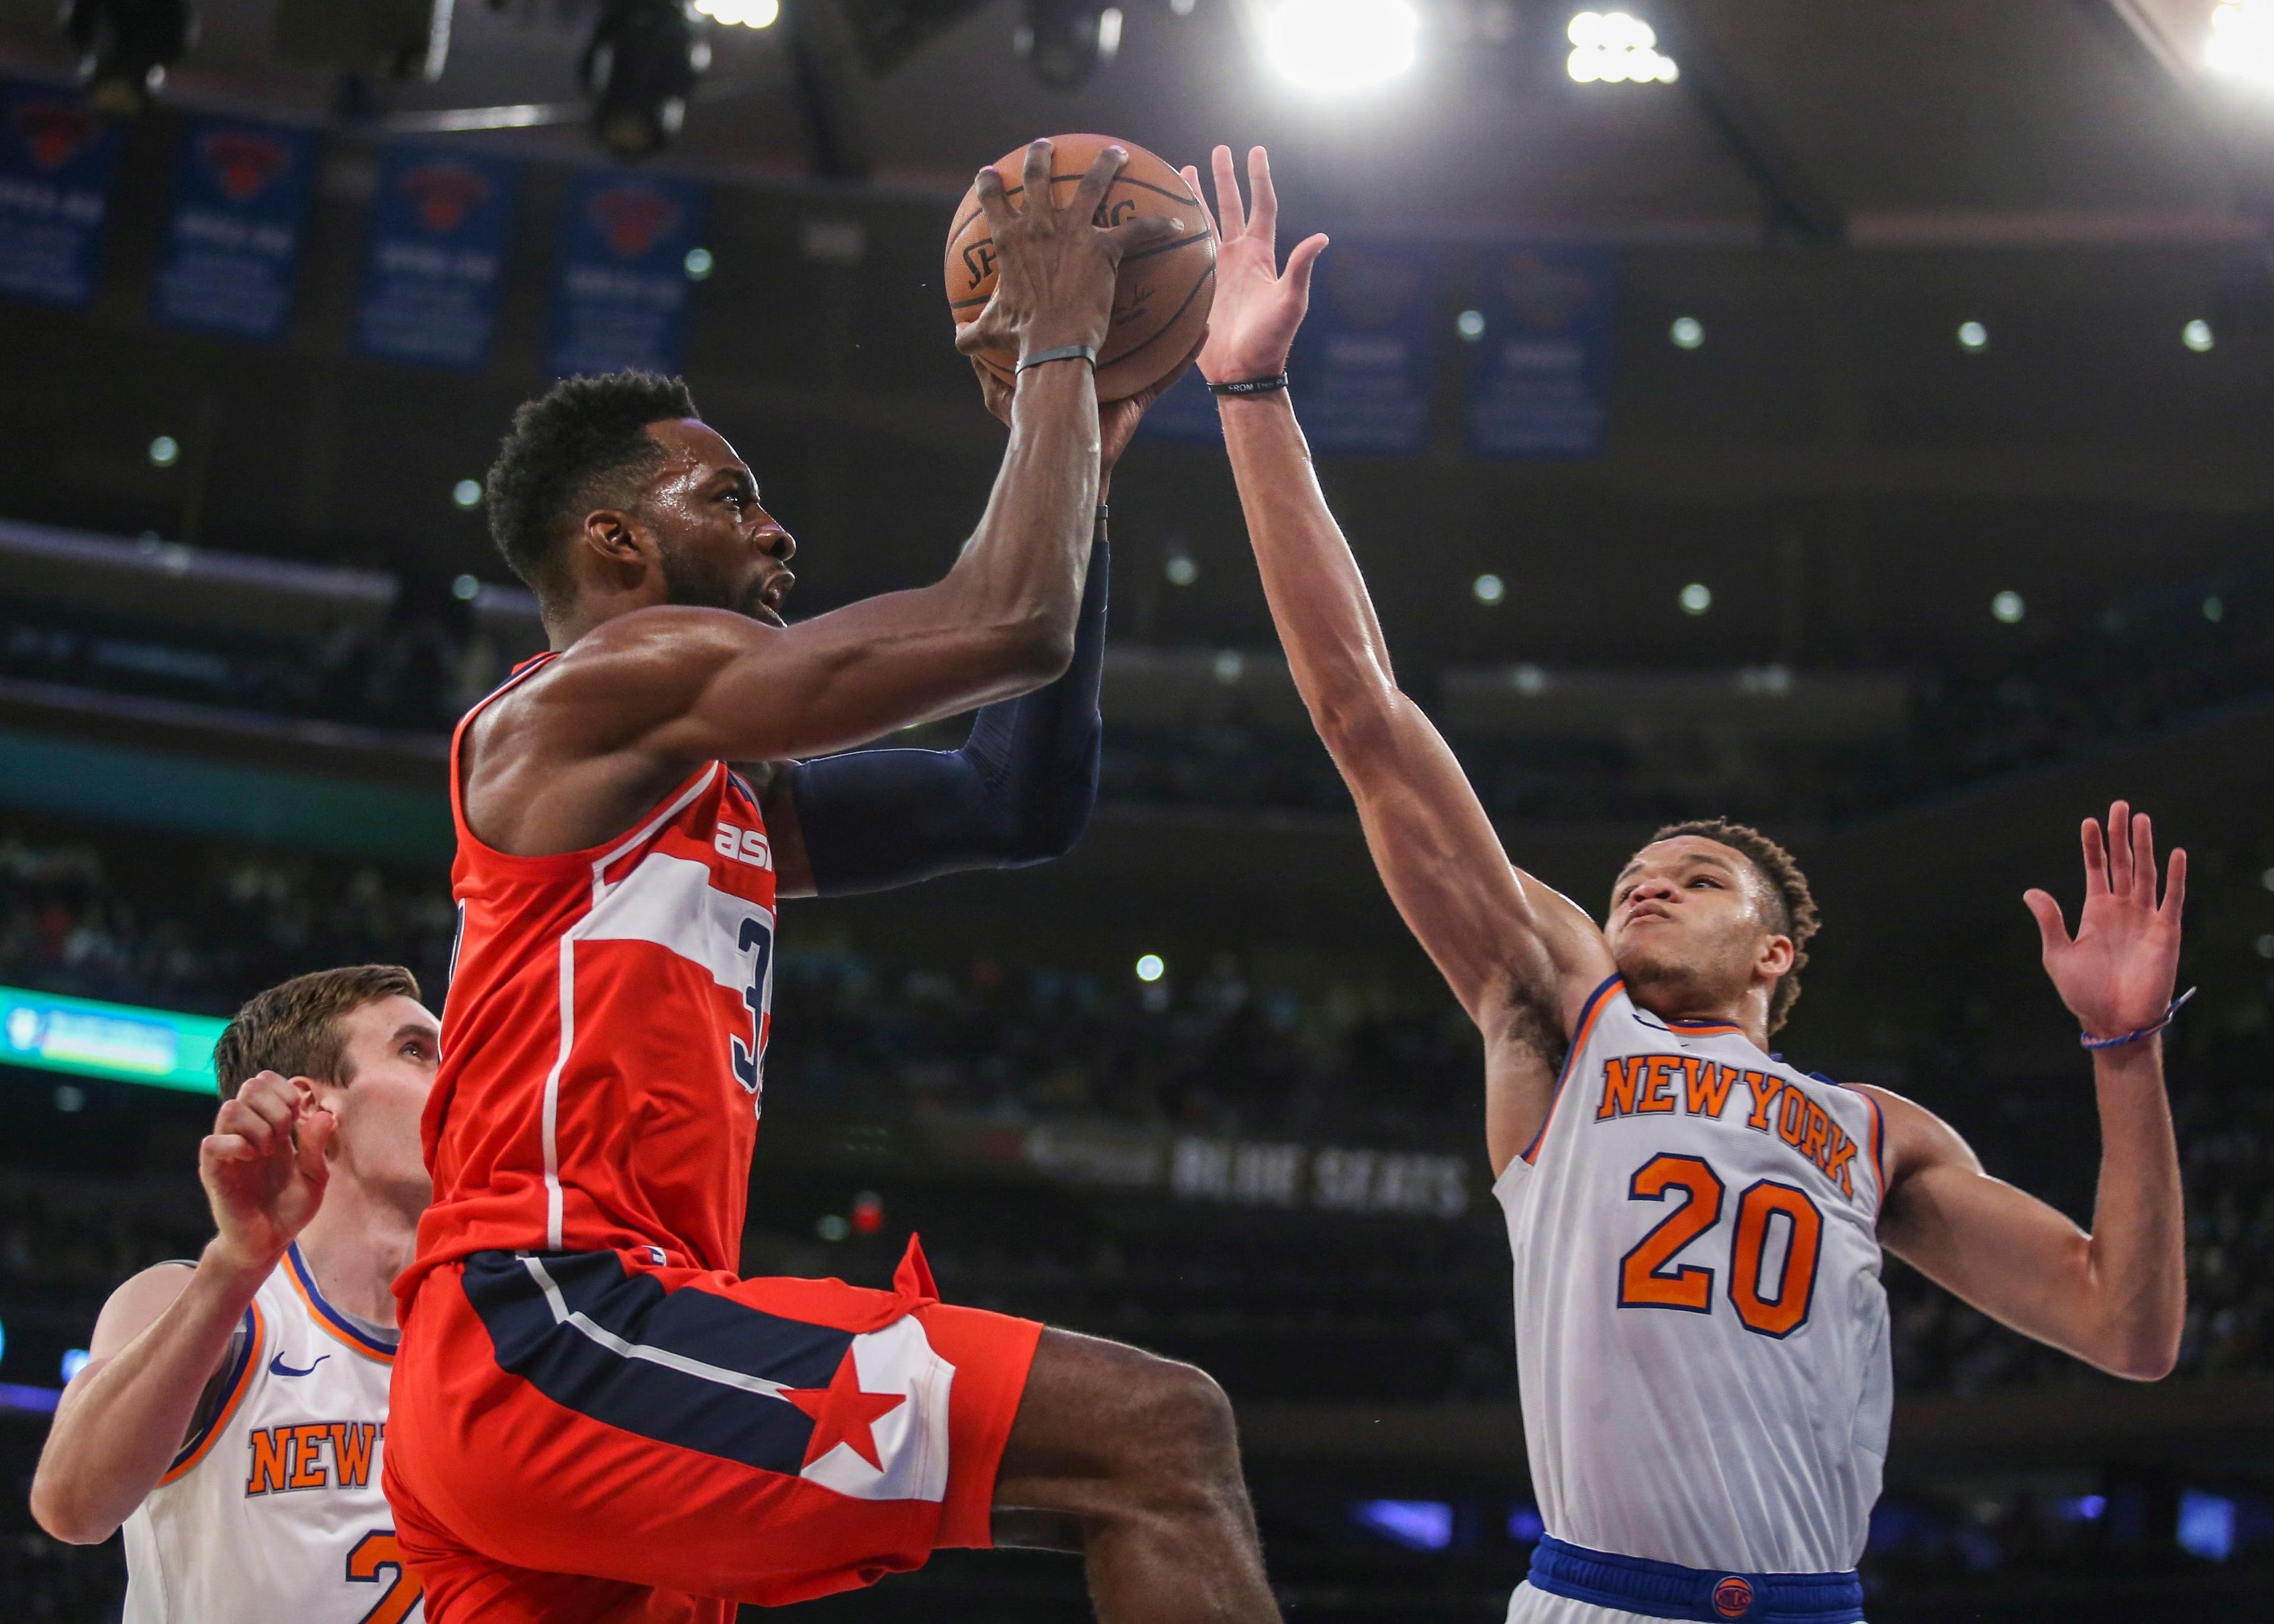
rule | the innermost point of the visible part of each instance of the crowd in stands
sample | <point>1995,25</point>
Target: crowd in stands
<point>2147,666</point>
<point>868,1037</point>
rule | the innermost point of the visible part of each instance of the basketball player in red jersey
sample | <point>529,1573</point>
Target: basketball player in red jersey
<point>593,1419</point>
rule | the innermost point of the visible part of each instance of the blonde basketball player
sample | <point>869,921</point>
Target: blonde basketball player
<point>232,1412</point>
<point>1701,1334</point>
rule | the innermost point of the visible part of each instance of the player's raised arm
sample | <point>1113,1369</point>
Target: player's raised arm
<point>652,671</point>
<point>163,1336</point>
<point>1516,953</point>
<point>2115,1298</point>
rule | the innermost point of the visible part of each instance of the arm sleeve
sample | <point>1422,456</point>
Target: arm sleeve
<point>1019,792</point>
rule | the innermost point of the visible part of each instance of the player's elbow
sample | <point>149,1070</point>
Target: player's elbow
<point>2144,1359</point>
<point>1357,718</point>
<point>67,1516</point>
<point>1034,647</point>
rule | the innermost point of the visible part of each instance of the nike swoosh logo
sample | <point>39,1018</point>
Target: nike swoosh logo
<point>277,1367</point>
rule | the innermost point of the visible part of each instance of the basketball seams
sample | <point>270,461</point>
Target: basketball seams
<point>1166,327</point>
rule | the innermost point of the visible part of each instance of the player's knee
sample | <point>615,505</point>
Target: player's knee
<point>1184,1424</point>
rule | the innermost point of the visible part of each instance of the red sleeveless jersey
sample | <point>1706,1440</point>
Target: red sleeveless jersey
<point>604,1036</point>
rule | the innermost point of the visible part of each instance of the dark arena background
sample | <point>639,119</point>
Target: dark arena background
<point>1853,418</point>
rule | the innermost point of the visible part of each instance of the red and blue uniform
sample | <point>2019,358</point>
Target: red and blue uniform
<point>593,1416</point>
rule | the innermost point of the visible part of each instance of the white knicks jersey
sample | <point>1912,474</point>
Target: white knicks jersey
<point>1701,1334</point>
<point>272,1509</point>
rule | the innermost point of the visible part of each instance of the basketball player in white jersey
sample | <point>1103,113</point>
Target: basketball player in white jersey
<point>232,1411</point>
<point>1701,1334</point>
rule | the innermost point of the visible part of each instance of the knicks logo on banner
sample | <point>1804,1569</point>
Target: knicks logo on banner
<point>54,132</point>
<point>880,1426</point>
<point>632,218</point>
<point>444,194</point>
<point>244,163</point>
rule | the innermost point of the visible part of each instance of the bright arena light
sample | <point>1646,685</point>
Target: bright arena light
<point>1614,48</point>
<point>2196,335</point>
<point>1151,967</point>
<point>1972,334</point>
<point>1489,588</point>
<point>1696,597</point>
<point>740,13</point>
<point>467,493</point>
<point>2008,607</point>
<point>1333,45</point>
<point>2242,43</point>
<point>1687,331</point>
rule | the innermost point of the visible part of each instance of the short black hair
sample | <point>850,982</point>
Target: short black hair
<point>1787,885</point>
<point>577,442</point>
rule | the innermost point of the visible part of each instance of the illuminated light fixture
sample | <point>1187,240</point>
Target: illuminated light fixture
<point>639,69</point>
<point>467,494</point>
<point>2214,610</point>
<point>1181,570</point>
<point>1470,324</point>
<point>2008,607</point>
<point>1341,45</point>
<point>2196,335</point>
<point>125,47</point>
<point>1065,41</point>
<point>1616,48</point>
<point>1151,967</point>
<point>1489,588</point>
<point>1696,597</point>
<point>1687,333</point>
<point>1972,335</point>
<point>2241,42</point>
<point>740,13</point>
<point>700,264</point>
<point>466,589</point>
<point>165,451</point>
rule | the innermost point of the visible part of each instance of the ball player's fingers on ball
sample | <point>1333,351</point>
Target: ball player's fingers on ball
<point>1146,231</point>
<point>986,332</point>
<point>1089,192</point>
<point>1230,219</point>
<point>1035,178</point>
<point>2050,931</point>
<point>992,389</point>
<point>992,202</point>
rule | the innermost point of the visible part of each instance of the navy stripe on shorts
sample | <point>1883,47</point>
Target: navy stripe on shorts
<point>685,1367</point>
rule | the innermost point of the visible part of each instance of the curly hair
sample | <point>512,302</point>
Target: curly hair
<point>294,1027</point>
<point>581,441</point>
<point>1796,906</point>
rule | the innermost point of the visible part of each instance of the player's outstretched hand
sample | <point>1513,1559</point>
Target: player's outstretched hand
<point>263,1167</point>
<point>2117,973</point>
<point>1258,307</point>
<point>1054,268</point>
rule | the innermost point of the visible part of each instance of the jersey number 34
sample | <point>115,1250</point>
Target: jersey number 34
<point>1650,1277</point>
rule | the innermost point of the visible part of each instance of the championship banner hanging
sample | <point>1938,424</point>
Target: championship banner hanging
<point>1540,388</point>
<point>57,161</point>
<point>439,230</point>
<point>621,287</point>
<point>241,192</point>
<point>1363,362</point>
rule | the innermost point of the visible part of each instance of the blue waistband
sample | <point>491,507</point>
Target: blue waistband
<point>1711,1595</point>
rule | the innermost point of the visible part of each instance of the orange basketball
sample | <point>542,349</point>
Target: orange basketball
<point>1161,302</point>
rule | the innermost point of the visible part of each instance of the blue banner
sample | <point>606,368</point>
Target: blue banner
<point>620,287</point>
<point>438,239</point>
<point>241,192</point>
<point>1541,385</point>
<point>1363,363</point>
<point>57,160</point>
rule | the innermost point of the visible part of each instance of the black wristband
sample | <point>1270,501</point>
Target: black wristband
<point>1250,386</point>
<point>1064,352</point>
<point>1101,513</point>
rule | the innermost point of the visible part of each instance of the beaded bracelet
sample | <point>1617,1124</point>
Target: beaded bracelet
<point>2148,1031</point>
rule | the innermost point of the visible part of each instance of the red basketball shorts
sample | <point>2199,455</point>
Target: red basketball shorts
<point>582,1436</point>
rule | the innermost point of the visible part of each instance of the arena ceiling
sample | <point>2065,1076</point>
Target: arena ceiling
<point>1898,121</point>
